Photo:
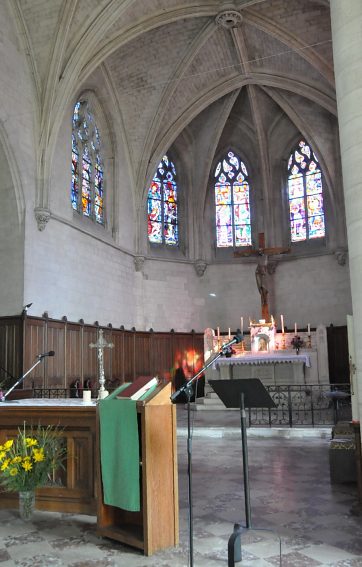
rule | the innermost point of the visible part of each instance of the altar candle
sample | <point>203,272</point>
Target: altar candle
<point>308,329</point>
<point>229,334</point>
<point>218,332</point>
<point>295,328</point>
<point>242,325</point>
<point>282,322</point>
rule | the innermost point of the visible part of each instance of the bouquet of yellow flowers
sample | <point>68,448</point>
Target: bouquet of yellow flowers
<point>28,461</point>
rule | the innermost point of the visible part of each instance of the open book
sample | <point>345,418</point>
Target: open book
<point>139,387</point>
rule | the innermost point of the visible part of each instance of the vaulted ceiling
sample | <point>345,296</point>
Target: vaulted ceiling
<point>168,62</point>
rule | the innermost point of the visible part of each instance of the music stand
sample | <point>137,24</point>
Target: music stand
<point>242,394</point>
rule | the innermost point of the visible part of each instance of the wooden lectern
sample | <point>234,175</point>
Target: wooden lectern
<point>156,525</point>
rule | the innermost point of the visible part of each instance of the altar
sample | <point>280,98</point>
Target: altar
<point>271,368</point>
<point>277,364</point>
<point>74,490</point>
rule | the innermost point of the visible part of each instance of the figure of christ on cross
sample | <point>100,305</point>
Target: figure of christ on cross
<point>100,345</point>
<point>262,271</point>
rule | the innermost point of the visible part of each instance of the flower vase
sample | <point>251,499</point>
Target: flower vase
<point>26,505</point>
<point>297,350</point>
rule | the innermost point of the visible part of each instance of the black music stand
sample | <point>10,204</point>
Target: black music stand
<point>242,394</point>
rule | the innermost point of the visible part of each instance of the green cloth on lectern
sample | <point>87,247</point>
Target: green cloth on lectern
<point>120,455</point>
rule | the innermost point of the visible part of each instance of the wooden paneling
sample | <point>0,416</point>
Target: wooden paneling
<point>142,354</point>
<point>89,354</point>
<point>55,365</point>
<point>108,352</point>
<point>34,344</point>
<point>118,357</point>
<point>73,350</point>
<point>134,354</point>
<point>11,349</point>
<point>129,356</point>
<point>77,495</point>
<point>161,354</point>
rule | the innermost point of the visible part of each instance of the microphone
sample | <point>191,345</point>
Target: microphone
<point>50,353</point>
<point>237,339</point>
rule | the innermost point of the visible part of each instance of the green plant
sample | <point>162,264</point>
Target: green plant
<point>30,460</point>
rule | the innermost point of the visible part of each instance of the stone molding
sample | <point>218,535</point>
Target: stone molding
<point>341,256</point>
<point>139,262</point>
<point>42,217</point>
<point>200,267</point>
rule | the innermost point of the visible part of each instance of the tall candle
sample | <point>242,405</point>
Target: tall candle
<point>295,328</point>
<point>218,332</point>
<point>282,322</point>
<point>242,324</point>
<point>229,334</point>
<point>308,329</point>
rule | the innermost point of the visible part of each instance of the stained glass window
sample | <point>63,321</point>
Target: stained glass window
<point>305,194</point>
<point>87,167</point>
<point>232,202</point>
<point>162,205</point>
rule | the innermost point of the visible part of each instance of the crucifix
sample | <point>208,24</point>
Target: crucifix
<point>262,269</point>
<point>100,345</point>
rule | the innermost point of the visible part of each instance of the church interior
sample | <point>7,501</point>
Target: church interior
<point>174,173</point>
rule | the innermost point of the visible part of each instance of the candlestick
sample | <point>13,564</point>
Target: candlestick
<point>218,332</point>
<point>282,322</point>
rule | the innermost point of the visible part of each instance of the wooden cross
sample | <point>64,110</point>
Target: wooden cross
<point>100,345</point>
<point>261,269</point>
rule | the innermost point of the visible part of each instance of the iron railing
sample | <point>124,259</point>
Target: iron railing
<point>304,405</point>
<point>296,405</point>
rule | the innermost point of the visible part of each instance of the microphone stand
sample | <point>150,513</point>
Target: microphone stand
<point>21,379</point>
<point>187,389</point>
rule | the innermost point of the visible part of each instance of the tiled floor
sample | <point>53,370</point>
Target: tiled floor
<point>291,497</point>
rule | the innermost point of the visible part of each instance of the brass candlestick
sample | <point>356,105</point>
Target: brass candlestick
<point>309,342</point>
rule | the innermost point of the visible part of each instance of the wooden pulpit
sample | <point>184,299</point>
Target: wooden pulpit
<point>156,525</point>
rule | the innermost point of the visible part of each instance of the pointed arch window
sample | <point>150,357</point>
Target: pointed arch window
<point>305,194</point>
<point>87,192</point>
<point>232,202</point>
<point>162,205</point>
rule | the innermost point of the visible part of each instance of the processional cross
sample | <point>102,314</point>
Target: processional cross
<point>262,269</point>
<point>100,345</point>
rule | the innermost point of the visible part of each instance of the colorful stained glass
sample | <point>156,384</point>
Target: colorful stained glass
<point>313,183</point>
<point>224,235</point>
<point>75,174</point>
<point>222,194</point>
<point>315,205</point>
<point>316,226</point>
<point>305,193</point>
<point>243,235</point>
<point>162,207</point>
<point>98,198</point>
<point>87,170</point>
<point>232,208</point>
<point>295,186</point>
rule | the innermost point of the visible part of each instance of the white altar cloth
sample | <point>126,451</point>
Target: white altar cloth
<point>266,358</point>
<point>46,402</point>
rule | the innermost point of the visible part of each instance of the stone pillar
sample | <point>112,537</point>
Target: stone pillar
<point>346,18</point>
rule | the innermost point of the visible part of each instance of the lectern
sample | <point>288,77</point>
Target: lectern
<point>242,394</point>
<point>155,526</point>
